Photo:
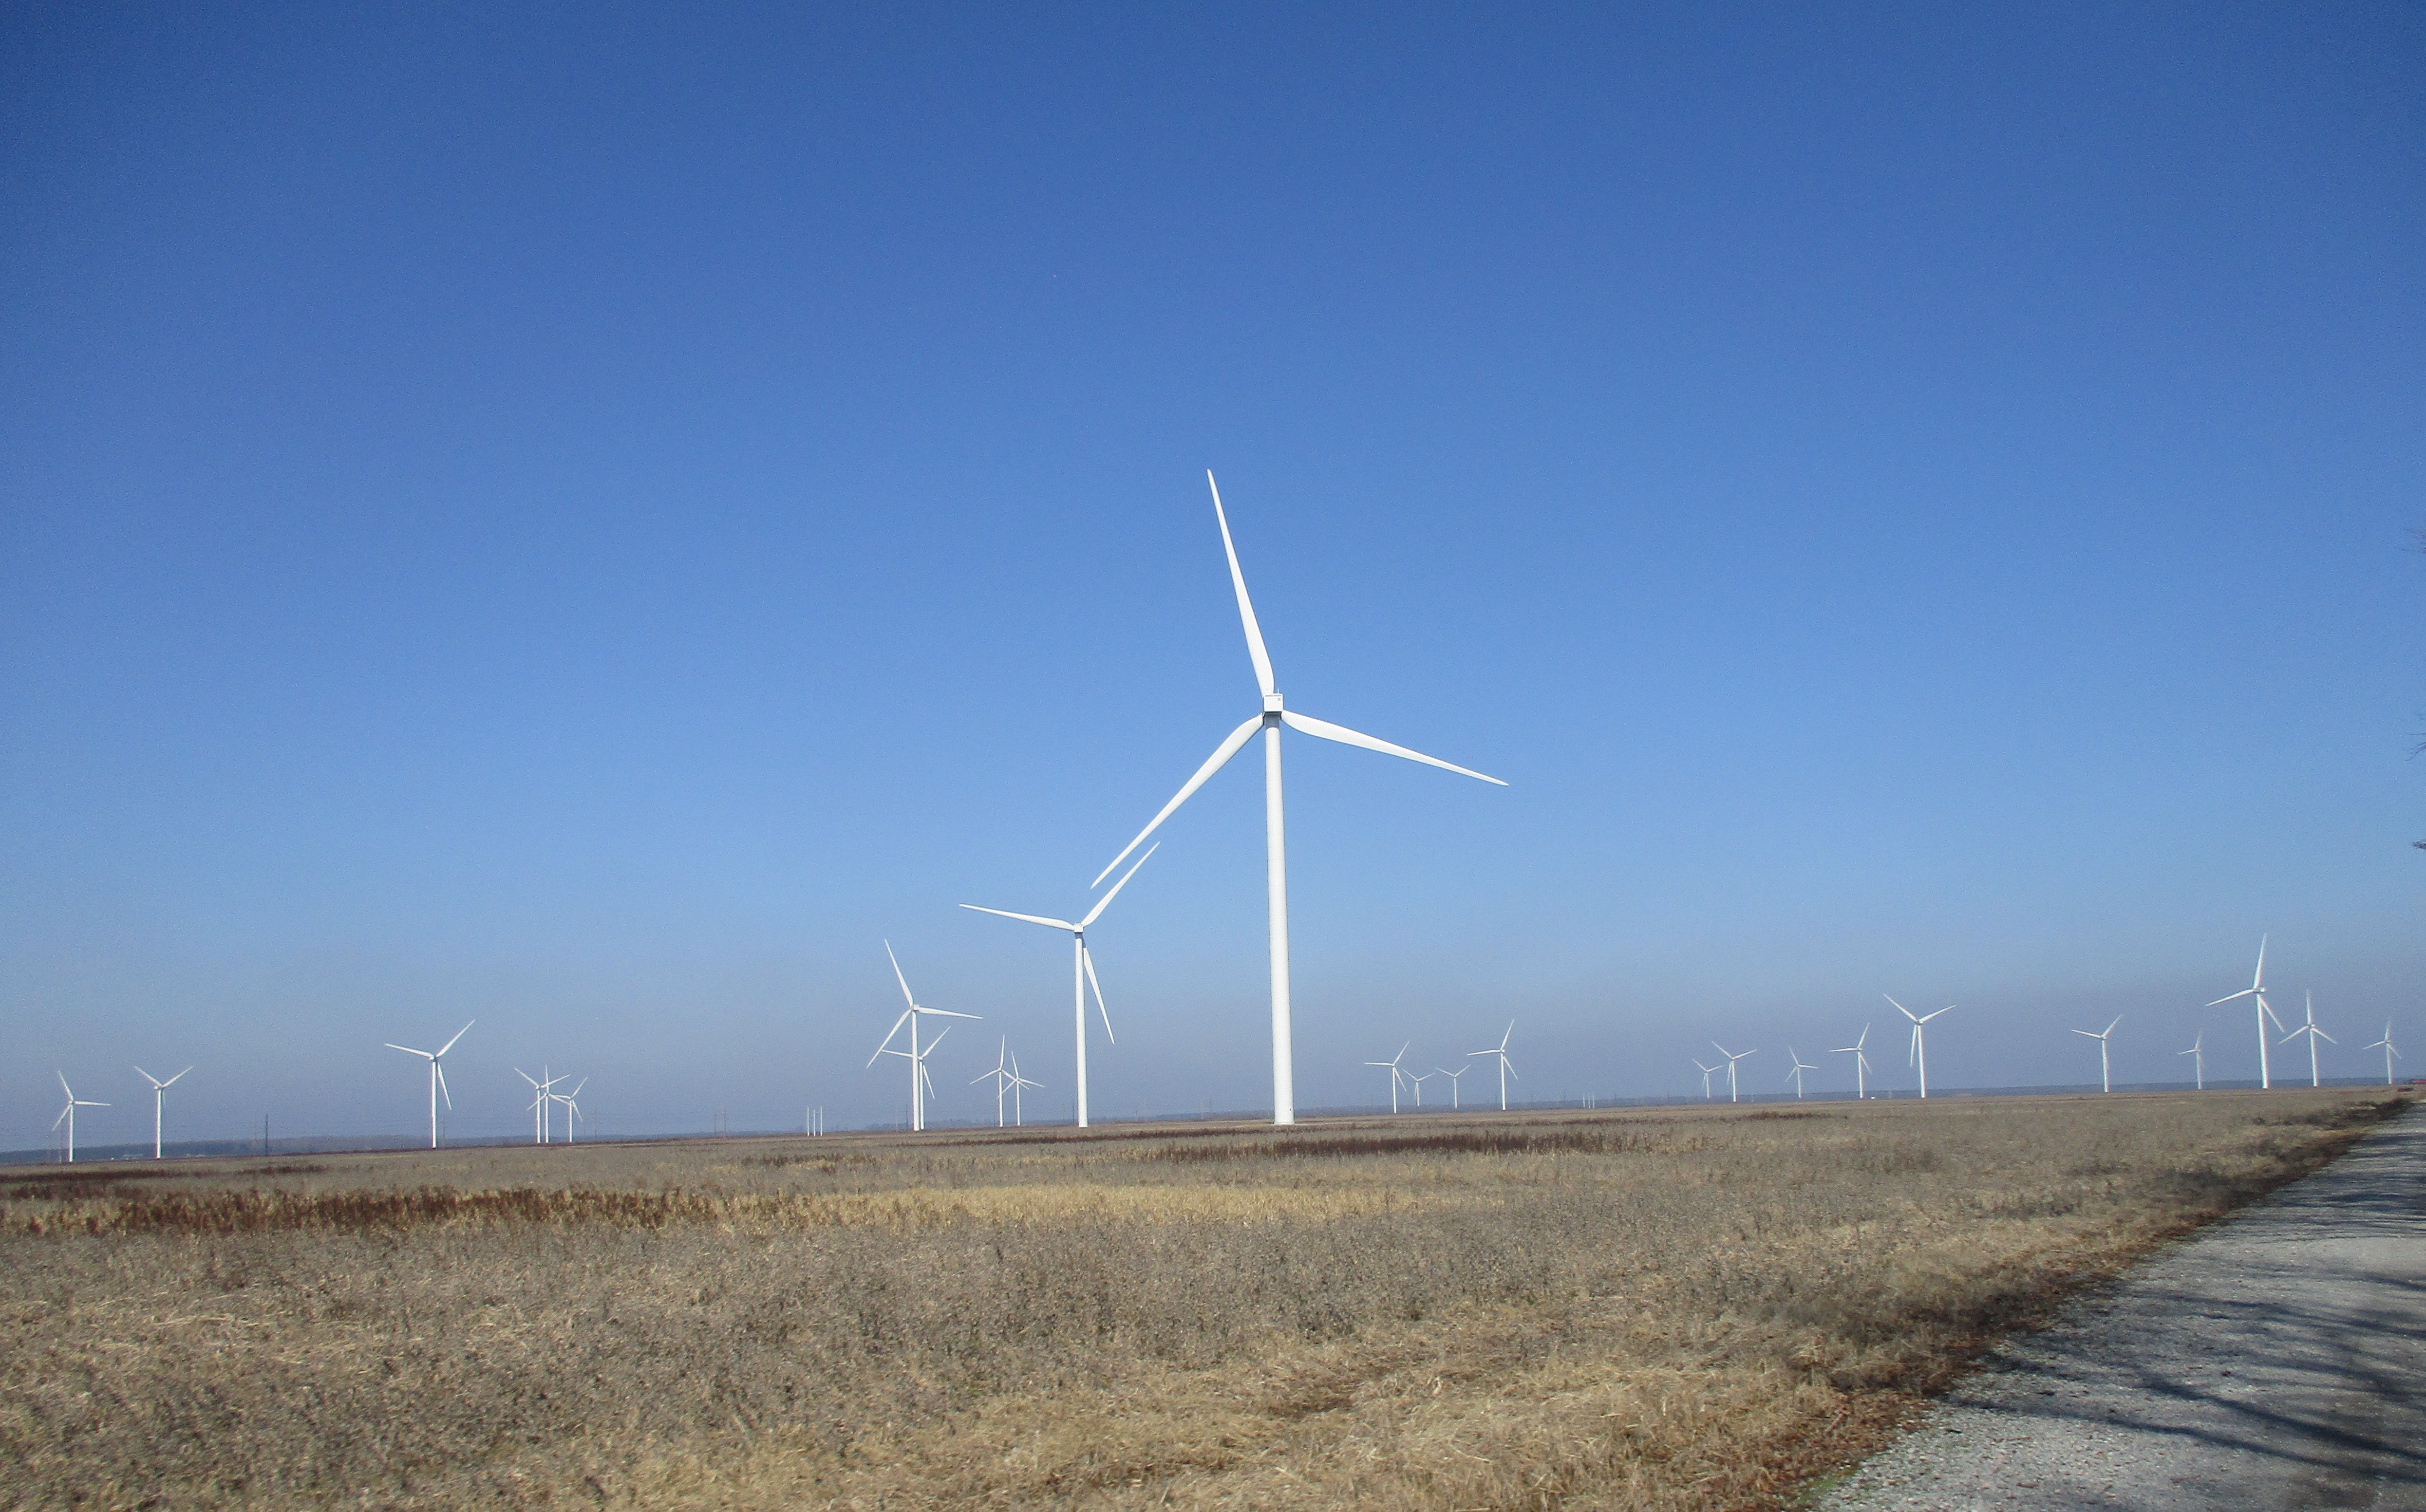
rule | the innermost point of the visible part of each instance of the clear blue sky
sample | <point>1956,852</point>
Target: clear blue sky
<point>591,518</point>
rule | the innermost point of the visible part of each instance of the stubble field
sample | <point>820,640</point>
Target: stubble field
<point>1648,1309</point>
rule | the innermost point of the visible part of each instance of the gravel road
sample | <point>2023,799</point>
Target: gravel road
<point>2277,1360</point>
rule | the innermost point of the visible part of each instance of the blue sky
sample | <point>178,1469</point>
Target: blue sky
<point>592,518</point>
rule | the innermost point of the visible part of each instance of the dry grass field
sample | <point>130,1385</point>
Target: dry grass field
<point>1679,1308</point>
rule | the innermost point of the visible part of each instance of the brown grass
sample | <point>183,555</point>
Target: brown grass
<point>1681,1309</point>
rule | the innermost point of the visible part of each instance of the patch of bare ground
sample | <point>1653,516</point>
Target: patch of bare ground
<point>1688,1307</point>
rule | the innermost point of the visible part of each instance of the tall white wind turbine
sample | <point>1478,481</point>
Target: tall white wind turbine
<point>1082,970</point>
<point>2314,1034</point>
<point>2390,1053</point>
<point>1919,1055</point>
<point>917,1057</point>
<point>1506,1070</point>
<point>1269,720</point>
<point>1707,1072</point>
<point>160,1093</point>
<point>542,1093</point>
<point>1797,1073</point>
<point>1732,1058</point>
<point>437,1076</point>
<point>2257,988</point>
<point>572,1107</point>
<point>67,1114</point>
<point>1395,1075</point>
<point>1453,1075</point>
<point>1020,1084</point>
<point>2105,1078</point>
<point>1861,1063</point>
<point>2198,1058</point>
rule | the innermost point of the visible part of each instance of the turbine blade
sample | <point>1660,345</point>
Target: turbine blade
<point>1899,1007</point>
<point>890,1033</point>
<point>1238,581</point>
<point>1030,918</point>
<point>1104,902</point>
<point>1087,957</point>
<point>527,1077</point>
<point>459,1033</point>
<point>1213,763</point>
<point>410,1050</point>
<point>899,977</point>
<point>1346,737</point>
<point>442,1084</point>
<point>172,1080</point>
<point>946,1013</point>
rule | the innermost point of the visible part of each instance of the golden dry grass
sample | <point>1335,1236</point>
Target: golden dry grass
<point>1685,1308</point>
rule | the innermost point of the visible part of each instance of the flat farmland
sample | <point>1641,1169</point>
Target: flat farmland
<point>1701,1307</point>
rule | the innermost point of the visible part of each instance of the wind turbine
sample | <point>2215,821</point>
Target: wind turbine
<point>1082,969</point>
<point>1270,719</point>
<point>2314,1035</point>
<point>2198,1057</point>
<point>1018,1084</point>
<point>1861,1063</point>
<point>1001,1075</point>
<point>160,1090</point>
<point>572,1108</point>
<point>1453,1075</point>
<point>541,1096</point>
<point>1506,1071</point>
<point>67,1114</point>
<point>2257,988</point>
<point>1707,1072</point>
<point>1395,1073</point>
<point>1732,1058</point>
<point>2385,1045</point>
<point>2104,1080</point>
<point>1920,1053</point>
<point>1797,1073</point>
<point>437,1077</point>
<point>1417,1083</point>
<point>919,1081</point>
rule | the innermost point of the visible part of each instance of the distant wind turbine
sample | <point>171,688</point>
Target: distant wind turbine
<point>541,1097</point>
<point>437,1076</point>
<point>1001,1077</point>
<point>2257,988</point>
<point>1861,1063</point>
<point>2105,1079</point>
<point>2198,1058</point>
<point>67,1114</point>
<point>919,1081</point>
<point>1453,1075</point>
<point>1269,720</point>
<point>2385,1045</point>
<point>1395,1075</point>
<point>572,1108</point>
<point>1082,967</point>
<point>1920,1053</point>
<point>1020,1084</point>
<point>1506,1070</point>
<point>2314,1035</point>
<point>160,1092</point>
<point>1732,1058</point>
<point>1797,1073</point>
<point>1417,1083</point>
<point>1707,1072</point>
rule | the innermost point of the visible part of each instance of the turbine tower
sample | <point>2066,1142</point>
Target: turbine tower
<point>1861,1063</point>
<point>1919,1055</point>
<point>67,1114</point>
<point>2257,988</point>
<point>1732,1058</point>
<point>2198,1057</point>
<point>2314,1034</point>
<point>2105,1079</point>
<point>1506,1070</point>
<point>1453,1075</point>
<point>1082,971</point>
<point>1395,1073</point>
<point>160,1092</point>
<point>1797,1073</point>
<point>2390,1053</point>
<point>917,1057</point>
<point>1270,719</point>
<point>437,1077</point>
